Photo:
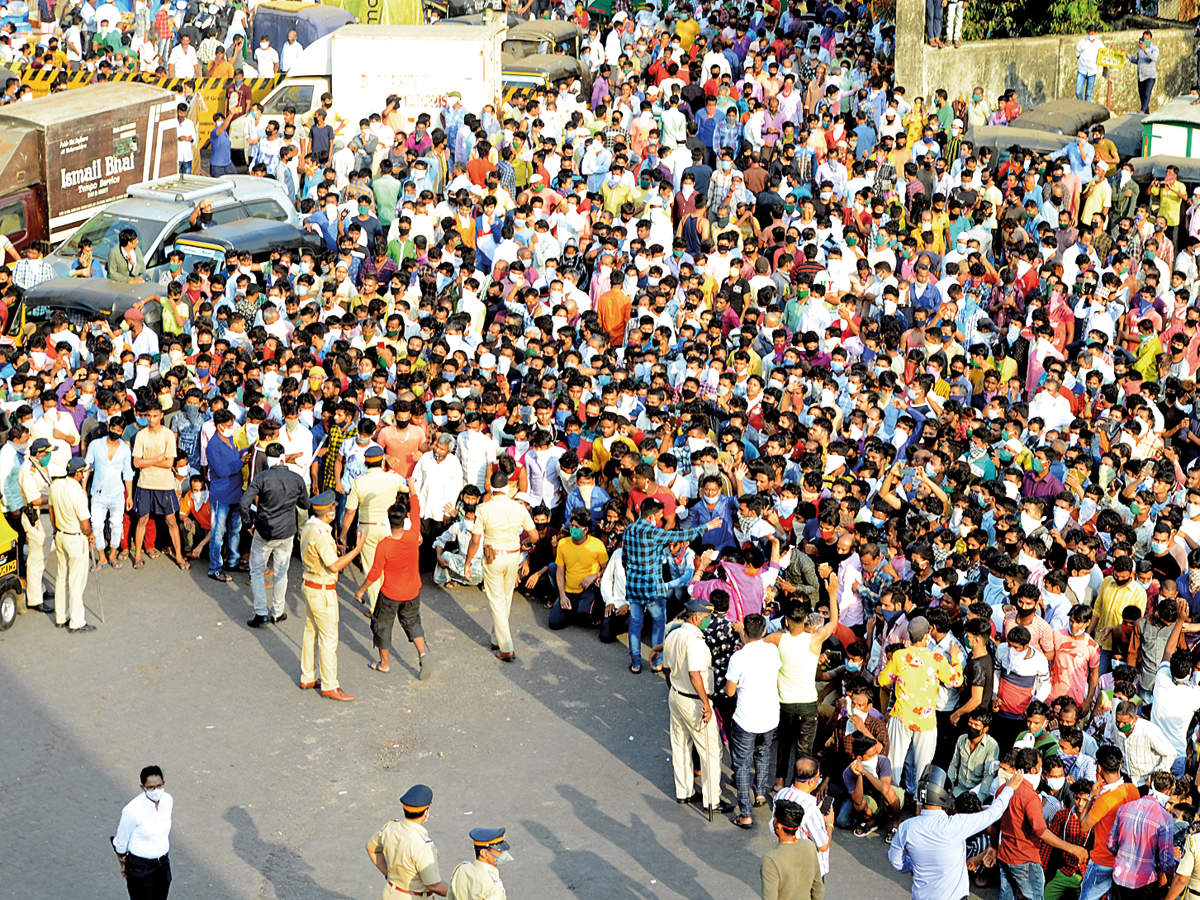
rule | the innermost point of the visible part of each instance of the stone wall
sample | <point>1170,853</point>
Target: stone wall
<point>1039,69</point>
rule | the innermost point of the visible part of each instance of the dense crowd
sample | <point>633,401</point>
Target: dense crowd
<point>881,446</point>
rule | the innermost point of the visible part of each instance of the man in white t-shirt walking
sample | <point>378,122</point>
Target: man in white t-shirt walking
<point>266,59</point>
<point>752,678</point>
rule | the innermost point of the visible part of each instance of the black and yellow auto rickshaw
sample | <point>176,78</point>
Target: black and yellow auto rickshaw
<point>82,300</point>
<point>258,237</point>
<point>11,587</point>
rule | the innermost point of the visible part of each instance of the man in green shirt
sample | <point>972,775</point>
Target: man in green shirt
<point>386,188</point>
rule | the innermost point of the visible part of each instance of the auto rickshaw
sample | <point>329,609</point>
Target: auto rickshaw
<point>12,588</point>
<point>258,237</point>
<point>83,300</point>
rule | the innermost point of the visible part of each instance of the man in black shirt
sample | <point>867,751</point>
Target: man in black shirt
<point>978,674</point>
<point>270,504</point>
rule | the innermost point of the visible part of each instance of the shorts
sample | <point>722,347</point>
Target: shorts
<point>149,502</point>
<point>385,615</point>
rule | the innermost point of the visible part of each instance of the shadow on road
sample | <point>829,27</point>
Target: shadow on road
<point>278,864</point>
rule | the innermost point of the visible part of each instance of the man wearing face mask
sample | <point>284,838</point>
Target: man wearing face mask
<point>480,880</point>
<point>34,483</point>
<point>143,839</point>
<point>270,504</point>
<point>371,495</point>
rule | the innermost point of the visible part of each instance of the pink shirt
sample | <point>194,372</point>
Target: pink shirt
<point>1074,657</point>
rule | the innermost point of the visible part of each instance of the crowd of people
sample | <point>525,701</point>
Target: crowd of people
<point>880,447</point>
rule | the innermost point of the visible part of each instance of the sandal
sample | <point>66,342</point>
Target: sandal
<point>183,564</point>
<point>139,564</point>
<point>635,669</point>
<point>548,604</point>
<point>220,576</point>
<point>657,670</point>
<point>153,554</point>
<point>115,563</point>
<point>740,824</point>
<point>377,668</point>
<point>98,566</point>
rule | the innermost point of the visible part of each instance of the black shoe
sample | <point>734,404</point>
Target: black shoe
<point>727,807</point>
<point>45,607</point>
<point>81,629</point>
<point>282,617</point>
<point>60,624</point>
<point>257,621</point>
<point>695,798</point>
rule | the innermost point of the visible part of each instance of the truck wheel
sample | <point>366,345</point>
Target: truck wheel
<point>9,598</point>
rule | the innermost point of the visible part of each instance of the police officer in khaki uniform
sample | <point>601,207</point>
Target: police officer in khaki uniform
<point>372,494</point>
<point>70,517</point>
<point>34,482</point>
<point>687,665</point>
<point>499,524</point>
<point>480,880</point>
<point>319,556</point>
<point>404,853</point>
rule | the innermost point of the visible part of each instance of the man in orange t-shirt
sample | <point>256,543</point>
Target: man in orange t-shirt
<point>614,307</point>
<point>402,443</point>
<point>400,595</point>
<point>1110,794</point>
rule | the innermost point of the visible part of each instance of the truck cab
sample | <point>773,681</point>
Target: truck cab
<point>159,212</point>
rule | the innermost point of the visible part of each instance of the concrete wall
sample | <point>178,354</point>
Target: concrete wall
<point>1039,69</point>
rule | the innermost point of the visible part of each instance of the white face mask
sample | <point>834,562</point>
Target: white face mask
<point>155,794</point>
<point>1056,784</point>
<point>1033,780</point>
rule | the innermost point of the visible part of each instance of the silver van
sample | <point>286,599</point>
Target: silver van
<point>158,211</point>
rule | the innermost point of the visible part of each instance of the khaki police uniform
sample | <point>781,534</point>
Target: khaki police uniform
<point>411,857</point>
<point>318,552</point>
<point>684,651</point>
<point>476,880</point>
<point>500,522</point>
<point>34,481</point>
<point>372,494</point>
<point>69,504</point>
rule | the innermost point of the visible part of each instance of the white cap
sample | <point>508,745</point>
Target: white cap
<point>833,462</point>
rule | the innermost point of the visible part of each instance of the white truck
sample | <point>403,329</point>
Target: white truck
<point>362,65</point>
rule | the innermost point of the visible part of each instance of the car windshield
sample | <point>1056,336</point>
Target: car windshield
<point>104,228</point>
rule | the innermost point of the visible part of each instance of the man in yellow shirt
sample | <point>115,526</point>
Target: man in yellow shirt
<point>580,563</point>
<point>687,29</point>
<point>1117,591</point>
<point>914,674</point>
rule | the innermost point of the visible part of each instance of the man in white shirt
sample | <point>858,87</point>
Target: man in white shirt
<point>183,60</point>
<point>1086,52</point>
<point>185,139</point>
<point>290,52</point>
<point>143,838</point>
<point>752,677</point>
<point>437,480</point>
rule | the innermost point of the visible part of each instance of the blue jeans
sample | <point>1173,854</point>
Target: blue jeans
<point>1084,85</point>
<point>185,168</point>
<point>1026,881</point>
<point>653,609</point>
<point>748,749</point>
<point>226,527</point>
<point>1097,882</point>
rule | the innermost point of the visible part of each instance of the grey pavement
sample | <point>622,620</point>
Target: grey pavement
<point>277,790</point>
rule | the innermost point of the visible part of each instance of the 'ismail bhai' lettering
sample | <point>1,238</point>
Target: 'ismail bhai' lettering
<point>94,171</point>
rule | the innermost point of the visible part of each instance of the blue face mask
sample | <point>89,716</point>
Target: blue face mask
<point>890,615</point>
<point>142,421</point>
<point>853,666</point>
<point>786,506</point>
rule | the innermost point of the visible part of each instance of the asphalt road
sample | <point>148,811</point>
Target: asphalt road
<point>277,790</point>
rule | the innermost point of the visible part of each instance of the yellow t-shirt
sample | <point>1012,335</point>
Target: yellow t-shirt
<point>580,561</point>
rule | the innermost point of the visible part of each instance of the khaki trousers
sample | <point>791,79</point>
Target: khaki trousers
<point>35,561</point>
<point>375,534</point>
<point>688,729</point>
<point>499,582</point>
<point>71,553</point>
<point>320,633</point>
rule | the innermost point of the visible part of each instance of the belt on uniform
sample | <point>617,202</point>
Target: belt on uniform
<point>496,550</point>
<point>372,524</point>
<point>686,694</point>
<point>70,533</point>
<point>397,887</point>
<point>317,586</point>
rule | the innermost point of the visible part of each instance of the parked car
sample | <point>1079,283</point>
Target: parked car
<point>159,210</point>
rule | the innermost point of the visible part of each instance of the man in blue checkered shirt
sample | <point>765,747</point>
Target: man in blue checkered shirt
<point>643,552</point>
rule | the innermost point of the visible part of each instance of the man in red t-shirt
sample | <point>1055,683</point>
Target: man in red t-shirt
<point>645,486</point>
<point>1110,794</point>
<point>1023,830</point>
<point>400,596</point>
